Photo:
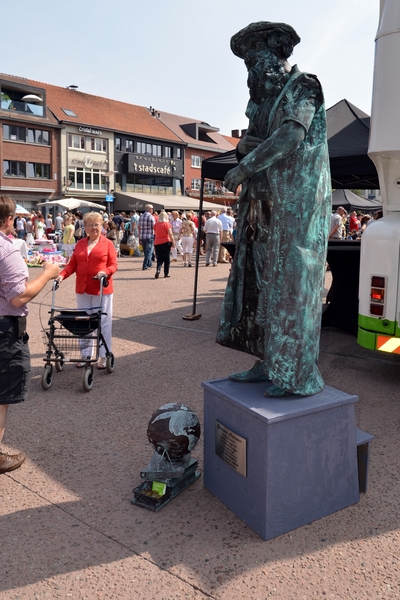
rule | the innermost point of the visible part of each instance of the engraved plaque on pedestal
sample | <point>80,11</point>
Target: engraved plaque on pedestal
<point>231,448</point>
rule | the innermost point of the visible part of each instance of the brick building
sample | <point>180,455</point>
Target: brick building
<point>29,143</point>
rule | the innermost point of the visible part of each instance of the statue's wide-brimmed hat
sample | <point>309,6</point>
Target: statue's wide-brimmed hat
<point>241,40</point>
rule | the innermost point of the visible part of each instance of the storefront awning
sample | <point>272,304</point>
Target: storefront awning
<point>128,201</point>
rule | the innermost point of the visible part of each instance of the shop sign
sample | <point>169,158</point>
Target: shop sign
<point>151,168</point>
<point>150,165</point>
<point>88,163</point>
<point>90,130</point>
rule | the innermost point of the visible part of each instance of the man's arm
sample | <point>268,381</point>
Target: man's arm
<point>32,289</point>
<point>280,144</point>
<point>334,230</point>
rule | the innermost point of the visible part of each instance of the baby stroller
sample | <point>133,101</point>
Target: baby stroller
<point>71,334</point>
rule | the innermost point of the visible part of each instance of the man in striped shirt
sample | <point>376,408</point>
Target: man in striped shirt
<point>15,292</point>
<point>146,235</point>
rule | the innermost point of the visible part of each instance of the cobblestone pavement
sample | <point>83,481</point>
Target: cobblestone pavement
<point>68,529</point>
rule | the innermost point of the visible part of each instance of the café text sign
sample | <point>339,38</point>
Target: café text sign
<point>88,163</point>
<point>90,130</point>
<point>150,165</point>
<point>151,168</point>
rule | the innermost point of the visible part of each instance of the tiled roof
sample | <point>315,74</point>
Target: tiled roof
<point>232,140</point>
<point>218,144</point>
<point>99,112</point>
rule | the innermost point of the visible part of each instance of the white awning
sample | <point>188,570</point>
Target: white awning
<point>127,201</point>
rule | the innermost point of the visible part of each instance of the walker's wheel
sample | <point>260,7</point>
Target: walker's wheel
<point>59,364</point>
<point>47,377</point>
<point>87,382</point>
<point>110,363</point>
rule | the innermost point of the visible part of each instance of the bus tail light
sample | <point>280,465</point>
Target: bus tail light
<point>377,296</point>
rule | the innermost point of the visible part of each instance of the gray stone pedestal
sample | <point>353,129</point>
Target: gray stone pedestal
<point>298,454</point>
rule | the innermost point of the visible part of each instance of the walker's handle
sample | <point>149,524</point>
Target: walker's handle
<point>54,287</point>
<point>103,280</point>
<point>103,283</point>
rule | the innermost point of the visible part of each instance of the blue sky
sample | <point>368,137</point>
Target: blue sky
<point>175,55</point>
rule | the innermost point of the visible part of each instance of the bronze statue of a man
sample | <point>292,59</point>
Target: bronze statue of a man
<point>273,301</point>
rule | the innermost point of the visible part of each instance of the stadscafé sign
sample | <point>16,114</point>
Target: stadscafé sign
<point>154,169</point>
<point>146,165</point>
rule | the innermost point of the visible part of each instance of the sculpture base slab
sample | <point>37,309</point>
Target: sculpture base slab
<point>144,498</point>
<point>300,454</point>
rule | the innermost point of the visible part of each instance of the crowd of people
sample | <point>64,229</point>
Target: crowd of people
<point>183,235</point>
<point>350,226</point>
<point>139,232</point>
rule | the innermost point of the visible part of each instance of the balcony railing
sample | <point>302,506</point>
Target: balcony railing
<point>24,107</point>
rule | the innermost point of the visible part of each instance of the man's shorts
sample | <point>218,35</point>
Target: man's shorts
<point>15,361</point>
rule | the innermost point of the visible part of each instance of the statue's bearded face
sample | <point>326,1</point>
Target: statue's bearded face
<point>267,75</point>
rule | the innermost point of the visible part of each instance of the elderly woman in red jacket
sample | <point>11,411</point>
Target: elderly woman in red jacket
<point>94,257</point>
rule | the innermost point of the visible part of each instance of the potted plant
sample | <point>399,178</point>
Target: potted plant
<point>6,102</point>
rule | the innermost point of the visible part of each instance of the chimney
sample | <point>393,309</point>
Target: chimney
<point>235,133</point>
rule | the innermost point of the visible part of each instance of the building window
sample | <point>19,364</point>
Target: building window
<point>87,179</point>
<point>143,148</point>
<point>196,161</point>
<point>14,168</point>
<point>149,185</point>
<point>151,149</point>
<point>118,145</point>
<point>38,170</point>
<point>76,141</point>
<point>156,150</point>
<point>21,134</point>
<point>129,146</point>
<point>196,184</point>
<point>98,145</point>
<point>210,187</point>
<point>14,133</point>
<point>179,153</point>
<point>37,136</point>
<point>96,180</point>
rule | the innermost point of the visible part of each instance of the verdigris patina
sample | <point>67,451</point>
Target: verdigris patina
<point>273,301</point>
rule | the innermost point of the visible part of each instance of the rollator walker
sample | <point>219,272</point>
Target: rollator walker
<point>75,336</point>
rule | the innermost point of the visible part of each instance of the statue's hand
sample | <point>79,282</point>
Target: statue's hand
<point>234,178</point>
<point>248,144</point>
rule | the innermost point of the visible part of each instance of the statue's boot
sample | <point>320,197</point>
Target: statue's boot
<point>254,374</point>
<point>276,392</point>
